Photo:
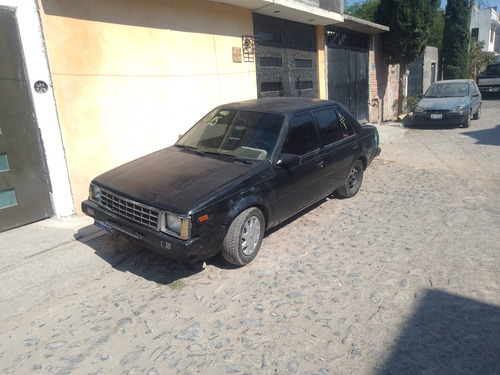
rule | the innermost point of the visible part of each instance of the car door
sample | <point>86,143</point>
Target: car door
<point>299,172</point>
<point>340,145</point>
<point>476,97</point>
<point>337,147</point>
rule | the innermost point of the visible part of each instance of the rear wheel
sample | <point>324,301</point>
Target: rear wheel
<point>353,181</point>
<point>244,237</point>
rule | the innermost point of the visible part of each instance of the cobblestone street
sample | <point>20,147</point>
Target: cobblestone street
<point>401,279</point>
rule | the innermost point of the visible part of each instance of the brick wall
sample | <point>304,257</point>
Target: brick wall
<point>383,85</point>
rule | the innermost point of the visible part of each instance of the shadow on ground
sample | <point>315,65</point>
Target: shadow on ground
<point>128,256</point>
<point>486,136</point>
<point>448,334</point>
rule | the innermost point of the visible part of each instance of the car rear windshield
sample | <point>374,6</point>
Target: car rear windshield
<point>243,134</point>
<point>494,68</point>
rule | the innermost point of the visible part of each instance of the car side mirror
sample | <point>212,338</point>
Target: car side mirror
<point>289,160</point>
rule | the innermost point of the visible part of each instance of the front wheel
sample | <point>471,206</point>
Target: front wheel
<point>466,123</point>
<point>477,115</point>
<point>244,237</point>
<point>353,182</point>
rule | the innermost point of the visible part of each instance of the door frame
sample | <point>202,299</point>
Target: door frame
<point>37,66</point>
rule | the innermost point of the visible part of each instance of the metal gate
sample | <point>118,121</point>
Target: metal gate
<point>416,77</point>
<point>24,190</point>
<point>347,56</point>
<point>286,58</point>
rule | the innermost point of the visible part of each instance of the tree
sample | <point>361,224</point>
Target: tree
<point>409,23</point>
<point>478,60</point>
<point>456,37</point>
<point>436,31</point>
<point>364,10</point>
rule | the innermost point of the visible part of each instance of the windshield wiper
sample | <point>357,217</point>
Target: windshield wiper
<point>229,157</point>
<point>191,148</point>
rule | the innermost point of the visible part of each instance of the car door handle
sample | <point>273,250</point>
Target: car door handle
<point>320,163</point>
<point>354,146</point>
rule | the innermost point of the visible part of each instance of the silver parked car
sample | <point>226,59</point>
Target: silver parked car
<point>449,102</point>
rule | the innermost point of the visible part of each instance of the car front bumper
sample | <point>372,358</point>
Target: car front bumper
<point>424,119</point>
<point>192,250</point>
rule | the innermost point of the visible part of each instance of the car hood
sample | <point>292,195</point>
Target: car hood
<point>442,103</point>
<point>174,179</point>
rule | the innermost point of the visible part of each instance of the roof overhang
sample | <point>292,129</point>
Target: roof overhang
<point>291,10</point>
<point>362,26</point>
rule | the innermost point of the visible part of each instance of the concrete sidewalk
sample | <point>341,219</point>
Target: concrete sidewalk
<point>40,258</point>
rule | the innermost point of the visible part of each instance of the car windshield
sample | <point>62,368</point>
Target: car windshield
<point>242,134</point>
<point>446,90</point>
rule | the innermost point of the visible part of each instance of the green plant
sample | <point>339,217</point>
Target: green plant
<point>177,284</point>
<point>411,102</point>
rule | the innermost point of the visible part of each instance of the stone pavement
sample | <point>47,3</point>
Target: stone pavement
<point>401,279</point>
<point>53,252</point>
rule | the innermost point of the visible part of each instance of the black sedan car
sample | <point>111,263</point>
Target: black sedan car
<point>450,102</point>
<point>243,168</point>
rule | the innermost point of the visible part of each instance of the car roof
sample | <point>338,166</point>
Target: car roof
<point>452,81</point>
<point>284,105</point>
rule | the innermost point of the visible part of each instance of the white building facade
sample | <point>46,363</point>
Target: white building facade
<point>485,27</point>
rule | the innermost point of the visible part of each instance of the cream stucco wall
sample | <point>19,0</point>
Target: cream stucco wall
<point>130,76</point>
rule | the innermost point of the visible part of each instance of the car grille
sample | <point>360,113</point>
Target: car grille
<point>137,212</point>
<point>442,111</point>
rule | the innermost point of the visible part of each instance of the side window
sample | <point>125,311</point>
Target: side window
<point>345,125</point>
<point>329,125</point>
<point>474,88</point>
<point>302,137</point>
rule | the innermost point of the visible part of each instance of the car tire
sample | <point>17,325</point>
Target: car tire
<point>466,123</point>
<point>244,237</point>
<point>477,115</point>
<point>353,181</point>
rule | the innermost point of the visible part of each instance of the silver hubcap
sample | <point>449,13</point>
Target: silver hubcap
<point>250,235</point>
<point>353,177</point>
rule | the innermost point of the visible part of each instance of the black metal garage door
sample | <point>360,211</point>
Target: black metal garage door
<point>24,190</point>
<point>286,58</point>
<point>347,55</point>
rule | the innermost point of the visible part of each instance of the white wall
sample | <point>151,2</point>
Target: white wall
<point>486,20</point>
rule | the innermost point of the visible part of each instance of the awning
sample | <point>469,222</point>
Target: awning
<point>292,10</point>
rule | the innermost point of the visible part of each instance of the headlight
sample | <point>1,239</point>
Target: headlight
<point>95,193</point>
<point>419,109</point>
<point>178,225</point>
<point>458,109</point>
